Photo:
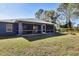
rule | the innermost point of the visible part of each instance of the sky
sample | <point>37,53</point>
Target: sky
<point>24,10</point>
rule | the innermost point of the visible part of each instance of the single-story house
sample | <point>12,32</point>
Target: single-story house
<point>25,27</point>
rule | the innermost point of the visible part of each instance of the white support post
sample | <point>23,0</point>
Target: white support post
<point>41,29</point>
<point>20,29</point>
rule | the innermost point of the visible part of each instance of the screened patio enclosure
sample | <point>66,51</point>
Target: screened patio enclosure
<point>31,29</point>
<point>25,28</point>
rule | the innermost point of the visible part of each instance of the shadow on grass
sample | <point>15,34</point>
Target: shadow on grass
<point>8,37</point>
<point>33,37</point>
<point>43,36</point>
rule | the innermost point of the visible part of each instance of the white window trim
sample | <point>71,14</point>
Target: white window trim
<point>9,27</point>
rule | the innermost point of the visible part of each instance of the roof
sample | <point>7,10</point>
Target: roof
<point>27,20</point>
<point>33,20</point>
<point>8,20</point>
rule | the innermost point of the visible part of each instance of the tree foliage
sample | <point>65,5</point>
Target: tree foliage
<point>47,15</point>
<point>53,15</point>
<point>39,13</point>
<point>70,11</point>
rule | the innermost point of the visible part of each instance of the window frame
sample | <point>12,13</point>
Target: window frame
<point>9,27</point>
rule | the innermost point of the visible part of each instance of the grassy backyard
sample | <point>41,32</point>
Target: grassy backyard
<point>40,45</point>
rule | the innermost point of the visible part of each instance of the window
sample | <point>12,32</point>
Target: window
<point>35,28</point>
<point>9,28</point>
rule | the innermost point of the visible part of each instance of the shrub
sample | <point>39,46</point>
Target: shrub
<point>73,33</point>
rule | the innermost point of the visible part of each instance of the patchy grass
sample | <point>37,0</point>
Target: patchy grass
<point>49,46</point>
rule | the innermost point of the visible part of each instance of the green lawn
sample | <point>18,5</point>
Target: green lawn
<point>40,45</point>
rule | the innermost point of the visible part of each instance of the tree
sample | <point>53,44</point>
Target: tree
<point>78,27</point>
<point>76,13</point>
<point>53,15</point>
<point>68,10</point>
<point>47,15</point>
<point>39,13</point>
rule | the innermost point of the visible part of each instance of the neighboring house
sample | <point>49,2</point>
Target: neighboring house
<point>25,27</point>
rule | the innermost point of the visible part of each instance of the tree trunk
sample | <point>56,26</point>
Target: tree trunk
<point>69,24</point>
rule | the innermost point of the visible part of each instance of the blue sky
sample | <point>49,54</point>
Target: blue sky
<point>21,10</point>
<point>24,10</point>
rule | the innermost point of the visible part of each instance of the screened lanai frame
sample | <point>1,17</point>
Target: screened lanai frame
<point>33,31</point>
